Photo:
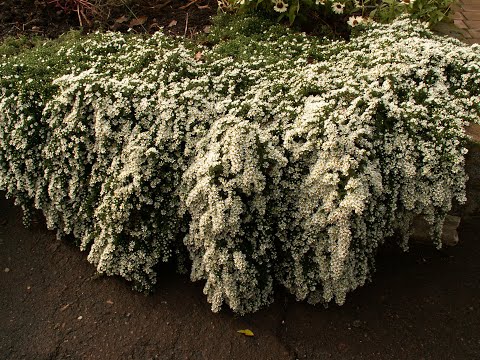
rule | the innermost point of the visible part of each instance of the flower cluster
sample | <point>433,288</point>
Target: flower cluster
<point>285,160</point>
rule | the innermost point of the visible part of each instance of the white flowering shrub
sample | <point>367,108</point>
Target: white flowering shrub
<point>269,158</point>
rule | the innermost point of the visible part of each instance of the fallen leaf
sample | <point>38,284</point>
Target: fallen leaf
<point>198,55</point>
<point>172,23</point>
<point>138,21</point>
<point>246,332</point>
<point>121,19</point>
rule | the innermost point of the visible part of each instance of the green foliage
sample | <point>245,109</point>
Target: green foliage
<point>273,158</point>
<point>13,45</point>
<point>431,11</point>
<point>352,12</point>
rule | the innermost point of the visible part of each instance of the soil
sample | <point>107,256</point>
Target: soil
<point>423,304</point>
<point>43,18</point>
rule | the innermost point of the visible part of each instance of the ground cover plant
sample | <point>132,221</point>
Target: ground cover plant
<point>261,158</point>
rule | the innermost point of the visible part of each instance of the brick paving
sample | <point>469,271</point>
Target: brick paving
<point>466,18</point>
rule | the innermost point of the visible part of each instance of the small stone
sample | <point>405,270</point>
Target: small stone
<point>109,302</point>
<point>7,270</point>
<point>357,323</point>
<point>421,230</point>
<point>29,287</point>
<point>80,317</point>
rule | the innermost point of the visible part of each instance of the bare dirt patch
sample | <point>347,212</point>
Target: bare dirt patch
<point>423,304</point>
<point>38,17</point>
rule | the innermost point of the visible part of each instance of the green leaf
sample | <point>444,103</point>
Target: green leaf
<point>292,12</point>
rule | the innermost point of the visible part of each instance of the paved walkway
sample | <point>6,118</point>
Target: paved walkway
<point>466,17</point>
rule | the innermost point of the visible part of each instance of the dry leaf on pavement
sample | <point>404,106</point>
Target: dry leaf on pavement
<point>246,332</point>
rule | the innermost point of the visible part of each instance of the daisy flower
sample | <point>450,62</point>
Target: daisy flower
<point>280,6</point>
<point>355,20</point>
<point>338,8</point>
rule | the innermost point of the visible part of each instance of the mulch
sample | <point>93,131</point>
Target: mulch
<point>45,18</point>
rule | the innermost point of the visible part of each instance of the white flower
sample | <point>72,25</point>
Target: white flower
<point>280,6</point>
<point>320,2</point>
<point>259,186</point>
<point>407,2</point>
<point>355,20</point>
<point>338,8</point>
